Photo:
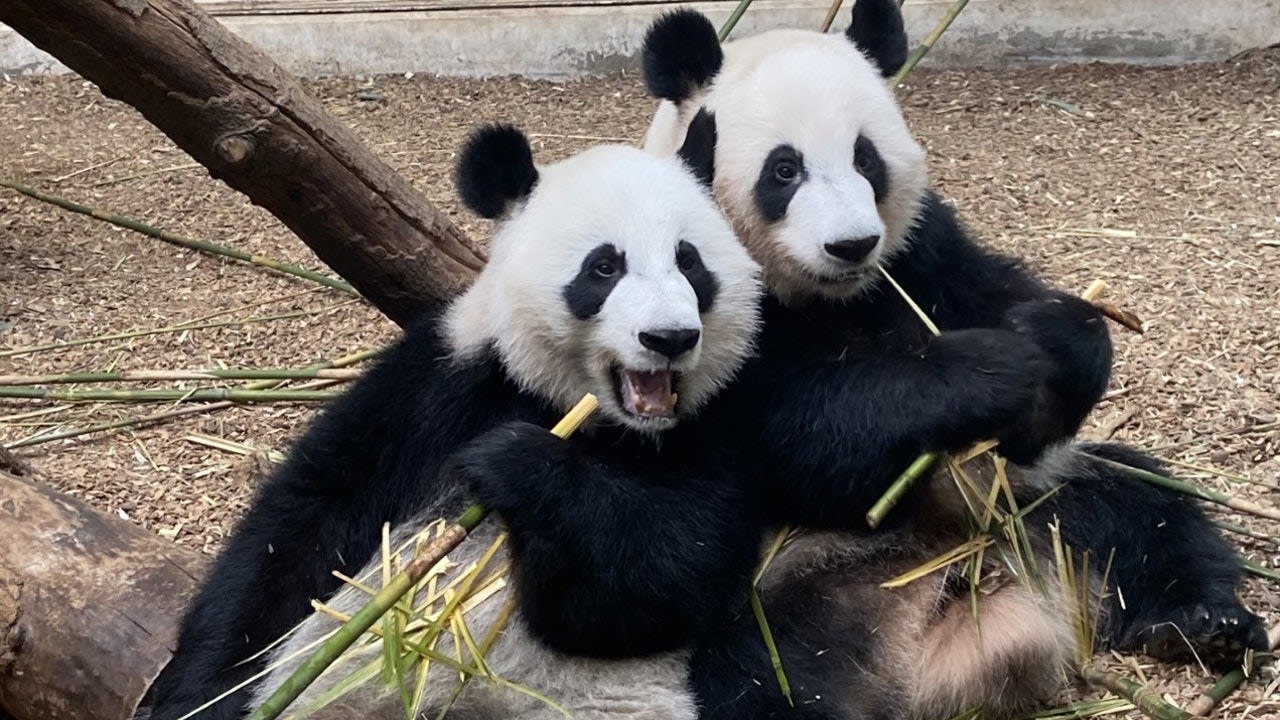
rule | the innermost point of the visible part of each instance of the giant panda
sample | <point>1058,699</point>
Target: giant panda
<point>612,272</point>
<point>825,185</point>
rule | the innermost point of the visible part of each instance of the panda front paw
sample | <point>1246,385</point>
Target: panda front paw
<point>1216,633</point>
<point>996,379</point>
<point>512,468</point>
<point>1073,333</point>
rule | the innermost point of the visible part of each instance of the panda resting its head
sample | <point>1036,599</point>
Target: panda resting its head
<point>814,162</point>
<point>612,272</point>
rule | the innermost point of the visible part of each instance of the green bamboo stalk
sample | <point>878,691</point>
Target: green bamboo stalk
<point>918,54</point>
<point>831,15</point>
<point>757,609</point>
<point>1241,530</point>
<point>181,240</point>
<point>1228,683</point>
<point>1213,496</point>
<point>179,412</point>
<point>158,375</point>
<point>133,334</point>
<point>1254,568</point>
<point>899,488</point>
<point>390,594</point>
<point>193,395</point>
<point>1148,701</point>
<point>734,17</point>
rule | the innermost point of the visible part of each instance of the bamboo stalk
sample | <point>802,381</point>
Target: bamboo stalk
<point>146,173</point>
<point>159,417</point>
<point>1261,571</point>
<point>133,334</point>
<point>1213,496</point>
<point>152,375</point>
<point>402,583</point>
<point>918,54</point>
<point>181,240</point>
<point>193,395</point>
<point>1228,683</point>
<point>757,609</point>
<point>734,17</point>
<point>1148,701</point>
<point>899,488</point>
<point>831,15</point>
<point>1241,530</point>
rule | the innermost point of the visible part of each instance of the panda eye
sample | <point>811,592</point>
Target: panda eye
<point>785,171</point>
<point>863,162</point>
<point>605,269</point>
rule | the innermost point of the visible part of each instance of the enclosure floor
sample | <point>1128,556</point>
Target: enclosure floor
<point>1163,182</point>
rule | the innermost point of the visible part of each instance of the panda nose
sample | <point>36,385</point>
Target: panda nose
<point>671,343</point>
<point>854,249</point>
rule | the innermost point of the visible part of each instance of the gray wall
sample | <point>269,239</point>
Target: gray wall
<point>568,42</point>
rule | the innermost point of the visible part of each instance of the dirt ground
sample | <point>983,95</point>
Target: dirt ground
<point>1165,182</point>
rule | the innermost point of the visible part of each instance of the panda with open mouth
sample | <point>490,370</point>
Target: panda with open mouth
<point>818,172</point>
<point>611,272</point>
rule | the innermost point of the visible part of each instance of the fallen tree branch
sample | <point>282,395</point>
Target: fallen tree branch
<point>235,111</point>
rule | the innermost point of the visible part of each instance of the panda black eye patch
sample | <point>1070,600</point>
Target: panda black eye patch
<point>869,164</point>
<point>780,176</point>
<point>703,281</point>
<point>599,273</point>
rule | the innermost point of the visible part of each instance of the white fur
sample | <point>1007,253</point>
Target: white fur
<point>816,92</point>
<point>653,688</point>
<point>644,206</point>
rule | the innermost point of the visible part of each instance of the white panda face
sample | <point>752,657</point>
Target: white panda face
<point>814,162</point>
<point>617,275</point>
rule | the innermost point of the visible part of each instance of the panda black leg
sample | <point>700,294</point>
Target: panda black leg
<point>1173,578</point>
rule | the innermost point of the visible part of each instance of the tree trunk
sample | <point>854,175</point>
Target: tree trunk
<point>89,606</point>
<point>239,114</point>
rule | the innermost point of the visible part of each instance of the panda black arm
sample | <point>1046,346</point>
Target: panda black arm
<point>371,457</point>
<point>836,431</point>
<point>617,553</point>
<point>963,285</point>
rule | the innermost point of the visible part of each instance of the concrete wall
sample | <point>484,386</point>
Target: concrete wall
<point>569,42</point>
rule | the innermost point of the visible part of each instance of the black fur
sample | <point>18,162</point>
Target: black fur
<point>610,546</point>
<point>600,272</point>
<point>876,27</point>
<point>495,169</point>
<point>869,164</point>
<point>1176,574</point>
<point>619,546</point>
<point>699,148</point>
<point>680,54</point>
<point>781,175</point>
<point>704,283</point>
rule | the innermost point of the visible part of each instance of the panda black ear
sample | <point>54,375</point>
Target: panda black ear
<point>699,149</point>
<point>877,29</point>
<point>681,53</point>
<point>495,169</point>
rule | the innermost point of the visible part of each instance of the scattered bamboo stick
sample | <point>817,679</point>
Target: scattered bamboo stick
<point>390,594</point>
<point>1241,530</point>
<point>193,395</point>
<point>146,173</point>
<point>734,17</point>
<point>1261,571</point>
<point>831,15</point>
<point>133,334</point>
<point>181,240</point>
<point>1148,701</point>
<point>918,54</point>
<point>1228,683</point>
<point>152,375</point>
<point>1213,496</point>
<point>160,417</point>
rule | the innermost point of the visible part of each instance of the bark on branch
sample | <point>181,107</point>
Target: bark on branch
<point>89,605</point>
<point>239,114</point>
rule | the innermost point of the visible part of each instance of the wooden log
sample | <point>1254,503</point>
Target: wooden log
<point>89,606</point>
<point>240,115</point>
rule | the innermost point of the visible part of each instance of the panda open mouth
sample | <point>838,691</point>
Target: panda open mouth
<point>647,393</point>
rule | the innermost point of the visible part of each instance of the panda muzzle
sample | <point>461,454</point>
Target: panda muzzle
<point>647,393</point>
